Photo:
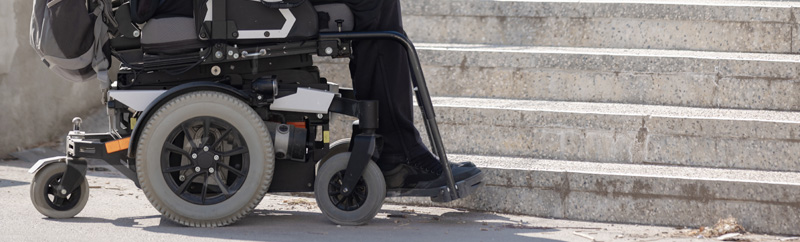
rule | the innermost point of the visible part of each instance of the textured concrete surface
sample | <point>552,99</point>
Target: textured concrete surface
<point>616,133</point>
<point>628,193</point>
<point>711,26</point>
<point>764,202</point>
<point>659,77</point>
<point>637,163</point>
<point>116,209</point>
<point>632,159</point>
<point>35,105</point>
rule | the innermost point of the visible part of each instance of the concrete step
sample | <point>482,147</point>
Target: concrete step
<point>735,26</point>
<point>616,133</point>
<point>659,77</point>
<point>763,202</point>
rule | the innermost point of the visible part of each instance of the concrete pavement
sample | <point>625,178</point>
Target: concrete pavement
<point>118,211</point>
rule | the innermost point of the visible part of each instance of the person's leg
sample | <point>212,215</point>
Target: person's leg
<point>380,71</point>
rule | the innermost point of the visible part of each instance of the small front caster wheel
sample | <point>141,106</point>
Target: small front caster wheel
<point>361,205</point>
<point>53,202</point>
<point>335,148</point>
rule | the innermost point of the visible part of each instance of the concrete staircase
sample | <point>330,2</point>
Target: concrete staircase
<point>656,112</point>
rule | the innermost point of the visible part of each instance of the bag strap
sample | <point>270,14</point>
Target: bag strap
<point>108,17</point>
<point>103,9</point>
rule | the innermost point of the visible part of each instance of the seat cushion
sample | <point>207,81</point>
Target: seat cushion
<point>329,13</point>
<point>173,35</point>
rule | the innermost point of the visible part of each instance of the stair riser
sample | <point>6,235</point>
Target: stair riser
<point>679,81</point>
<point>759,207</point>
<point>632,139</point>
<point>608,25</point>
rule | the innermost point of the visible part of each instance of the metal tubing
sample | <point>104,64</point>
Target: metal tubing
<point>423,96</point>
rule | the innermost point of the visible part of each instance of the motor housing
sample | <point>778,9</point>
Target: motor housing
<point>289,141</point>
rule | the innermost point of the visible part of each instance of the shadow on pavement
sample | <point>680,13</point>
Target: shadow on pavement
<point>11,183</point>
<point>269,225</point>
<point>121,222</point>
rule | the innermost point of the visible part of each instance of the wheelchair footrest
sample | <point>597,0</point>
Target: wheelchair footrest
<point>441,194</point>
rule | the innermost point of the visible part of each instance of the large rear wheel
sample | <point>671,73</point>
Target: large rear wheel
<point>205,159</point>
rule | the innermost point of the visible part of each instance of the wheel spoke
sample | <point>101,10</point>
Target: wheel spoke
<point>176,149</point>
<point>231,169</point>
<point>221,185</point>
<point>237,151</point>
<point>351,201</point>
<point>188,181</point>
<point>360,197</point>
<point>206,125</point>
<point>221,137</point>
<point>188,136</point>
<point>51,190</point>
<point>58,201</point>
<point>205,187</point>
<point>334,184</point>
<point>178,168</point>
<point>341,200</point>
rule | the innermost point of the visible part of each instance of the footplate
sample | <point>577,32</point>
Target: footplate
<point>441,194</point>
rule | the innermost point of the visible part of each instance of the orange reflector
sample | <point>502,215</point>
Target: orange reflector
<point>301,125</point>
<point>117,145</point>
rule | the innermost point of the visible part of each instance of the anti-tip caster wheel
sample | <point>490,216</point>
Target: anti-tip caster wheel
<point>205,159</point>
<point>361,205</point>
<point>45,196</point>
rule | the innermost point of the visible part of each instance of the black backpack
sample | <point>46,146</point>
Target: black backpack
<point>70,36</point>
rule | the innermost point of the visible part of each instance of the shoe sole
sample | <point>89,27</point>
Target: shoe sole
<point>440,194</point>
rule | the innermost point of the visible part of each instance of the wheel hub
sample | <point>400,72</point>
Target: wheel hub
<point>60,201</point>
<point>205,160</point>
<point>351,201</point>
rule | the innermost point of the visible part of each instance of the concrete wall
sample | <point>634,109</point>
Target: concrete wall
<point>35,105</point>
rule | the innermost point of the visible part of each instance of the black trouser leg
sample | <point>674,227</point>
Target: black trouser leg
<point>380,71</point>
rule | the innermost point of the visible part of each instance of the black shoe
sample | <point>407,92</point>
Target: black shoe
<point>426,172</point>
<point>396,178</point>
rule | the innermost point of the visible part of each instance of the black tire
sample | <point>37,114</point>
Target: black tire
<point>363,203</point>
<point>335,148</point>
<point>43,193</point>
<point>227,187</point>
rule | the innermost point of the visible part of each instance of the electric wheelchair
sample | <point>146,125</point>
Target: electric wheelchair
<point>209,113</point>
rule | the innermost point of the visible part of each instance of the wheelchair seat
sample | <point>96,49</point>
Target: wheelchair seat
<point>174,35</point>
<point>178,35</point>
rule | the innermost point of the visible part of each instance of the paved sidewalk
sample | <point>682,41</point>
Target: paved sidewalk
<point>118,211</point>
